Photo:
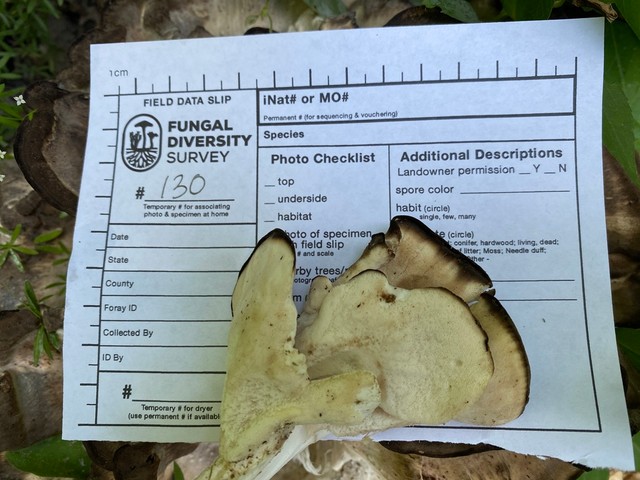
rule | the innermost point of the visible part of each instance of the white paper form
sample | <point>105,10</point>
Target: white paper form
<point>489,134</point>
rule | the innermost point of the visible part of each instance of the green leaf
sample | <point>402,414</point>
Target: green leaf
<point>41,25</point>
<point>458,9</point>
<point>13,256</point>
<point>13,92</point>
<point>617,129</point>
<point>636,450</point>
<point>631,13</point>
<point>48,236</point>
<point>55,285</point>
<point>31,301</point>
<point>25,250</point>
<point>52,457</point>
<point>327,8</point>
<point>37,345</point>
<point>622,50</point>
<point>3,257</point>
<point>598,474</point>
<point>54,340</point>
<point>61,261</point>
<point>50,8</point>
<point>5,57</point>
<point>9,122</point>
<point>30,293</point>
<point>16,232</point>
<point>5,19</point>
<point>9,75</point>
<point>528,9</point>
<point>11,109</point>
<point>629,343</point>
<point>31,5</point>
<point>48,249</point>
<point>177,472</point>
<point>622,96</point>
<point>46,344</point>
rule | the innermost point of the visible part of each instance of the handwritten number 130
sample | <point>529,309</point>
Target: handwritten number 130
<point>178,188</point>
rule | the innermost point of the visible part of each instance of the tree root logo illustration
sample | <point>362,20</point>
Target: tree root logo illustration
<point>141,141</point>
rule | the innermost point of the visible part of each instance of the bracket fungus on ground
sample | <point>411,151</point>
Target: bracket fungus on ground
<point>413,256</point>
<point>424,345</point>
<point>267,387</point>
<point>409,334</point>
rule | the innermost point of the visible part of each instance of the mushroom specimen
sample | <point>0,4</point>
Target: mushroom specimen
<point>267,388</point>
<point>413,256</point>
<point>410,333</point>
<point>424,345</point>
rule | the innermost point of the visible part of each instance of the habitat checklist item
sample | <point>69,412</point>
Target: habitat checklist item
<point>488,133</point>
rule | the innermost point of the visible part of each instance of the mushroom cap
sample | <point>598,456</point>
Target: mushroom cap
<point>507,393</point>
<point>267,387</point>
<point>428,353</point>
<point>412,255</point>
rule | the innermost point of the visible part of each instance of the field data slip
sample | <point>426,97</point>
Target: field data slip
<point>487,133</point>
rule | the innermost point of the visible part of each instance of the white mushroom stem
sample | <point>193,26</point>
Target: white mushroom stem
<point>264,467</point>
